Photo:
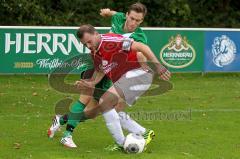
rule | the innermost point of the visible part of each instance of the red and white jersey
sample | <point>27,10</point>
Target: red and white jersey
<point>114,56</point>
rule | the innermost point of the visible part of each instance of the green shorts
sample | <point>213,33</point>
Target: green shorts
<point>101,87</point>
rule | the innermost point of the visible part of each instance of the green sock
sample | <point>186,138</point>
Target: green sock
<point>67,133</point>
<point>72,119</point>
<point>63,119</point>
<point>76,114</point>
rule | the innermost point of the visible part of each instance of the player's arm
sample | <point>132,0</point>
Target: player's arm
<point>96,78</point>
<point>106,12</point>
<point>147,52</point>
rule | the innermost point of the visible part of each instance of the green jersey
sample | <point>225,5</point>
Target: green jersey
<point>118,22</point>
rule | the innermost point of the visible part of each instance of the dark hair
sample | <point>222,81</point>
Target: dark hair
<point>139,8</point>
<point>86,28</point>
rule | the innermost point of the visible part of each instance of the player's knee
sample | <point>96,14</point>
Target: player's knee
<point>85,98</point>
<point>120,106</point>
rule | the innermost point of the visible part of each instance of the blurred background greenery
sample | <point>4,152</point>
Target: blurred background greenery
<point>161,13</point>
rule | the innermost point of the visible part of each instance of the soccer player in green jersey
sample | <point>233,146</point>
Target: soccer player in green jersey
<point>127,25</point>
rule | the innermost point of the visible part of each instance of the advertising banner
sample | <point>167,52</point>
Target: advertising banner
<point>44,49</point>
<point>179,50</point>
<point>41,50</point>
<point>222,51</point>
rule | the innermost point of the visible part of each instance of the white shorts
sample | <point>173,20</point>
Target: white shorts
<point>134,83</point>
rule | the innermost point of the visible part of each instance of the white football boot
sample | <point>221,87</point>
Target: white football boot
<point>55,126</point>
<point>68,142</point>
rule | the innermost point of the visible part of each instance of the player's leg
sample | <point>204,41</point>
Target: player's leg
<point>60,120</point>
<point>106,106</point>
<point>91,101</point>
<point>77,107</point>
<point>91,104</point>
<point>131,125</point>
<point>83,100</point>
<point>75,116</point>
<point>78,117</point>
<point>129,87</point>
<point>127,122</point>
<point>133,87</point>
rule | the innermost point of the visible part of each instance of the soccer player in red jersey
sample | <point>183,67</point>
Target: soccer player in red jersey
<point>116,57</point>
<point>128,26</point>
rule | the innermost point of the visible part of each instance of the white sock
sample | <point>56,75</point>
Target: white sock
<point>113,123</point>
<point>129,124</point>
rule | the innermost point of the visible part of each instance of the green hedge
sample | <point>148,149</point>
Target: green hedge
<point>162,13</point>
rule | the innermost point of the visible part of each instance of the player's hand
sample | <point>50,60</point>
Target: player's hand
<point>105,12</point>
<point>79,84</point>
<point>84,84</point>
<point>163,73</point>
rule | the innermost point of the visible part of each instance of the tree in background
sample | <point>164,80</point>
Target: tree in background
<point>161,13</point>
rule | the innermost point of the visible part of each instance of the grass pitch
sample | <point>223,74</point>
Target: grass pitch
<point>198,119</point>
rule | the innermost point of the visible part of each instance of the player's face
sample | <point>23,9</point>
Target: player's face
<point>91,41</point>
<point>133,20</point>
